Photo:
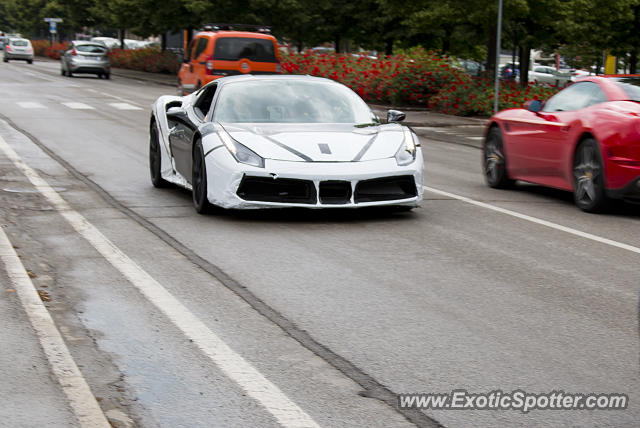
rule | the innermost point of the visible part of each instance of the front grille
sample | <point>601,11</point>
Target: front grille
<point>386,189</point>
<point>335,192</point>
<point>285,190</point>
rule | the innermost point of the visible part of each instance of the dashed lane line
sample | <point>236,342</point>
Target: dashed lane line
<point>236,368</point>
<point>78,106</point>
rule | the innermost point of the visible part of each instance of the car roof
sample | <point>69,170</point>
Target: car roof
<point>87,42</point>
<point>17,38</point>
<point>232,33</point>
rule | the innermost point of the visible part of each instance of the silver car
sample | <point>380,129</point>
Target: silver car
<point>86,57</point>
<point>18,48</point>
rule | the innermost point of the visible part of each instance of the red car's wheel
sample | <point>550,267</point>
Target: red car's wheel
<point>588,177</point>
<point>494,161</point>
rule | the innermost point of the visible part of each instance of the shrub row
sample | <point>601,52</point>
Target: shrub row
<point>153,60</point>
<point>418,78</point>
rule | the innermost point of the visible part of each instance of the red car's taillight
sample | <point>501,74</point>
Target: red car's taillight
<point>8,48</point>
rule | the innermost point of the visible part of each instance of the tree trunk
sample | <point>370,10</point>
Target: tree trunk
<point>633,61</point>
<point>388,46</point>
<point>163,41</point>
<point>122,31</point>
<point>446,41</point>
<point>491,52</point>
<point>337,43</point>
<point>525,59</point>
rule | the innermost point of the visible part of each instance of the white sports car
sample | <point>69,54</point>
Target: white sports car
<point>283,141</point>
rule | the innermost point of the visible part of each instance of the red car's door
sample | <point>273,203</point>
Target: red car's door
<point>543,151</point>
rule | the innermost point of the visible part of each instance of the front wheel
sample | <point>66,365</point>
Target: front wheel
<point>588,178</point>
<point>199,180</point>
<point>494,163</point>
<point>155,158</point>
<point>107,75</point>
<point>29,61</point>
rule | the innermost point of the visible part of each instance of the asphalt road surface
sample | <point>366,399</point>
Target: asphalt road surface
<point>289,318</point>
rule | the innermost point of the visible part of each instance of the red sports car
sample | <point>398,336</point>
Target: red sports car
<point>584,139</point>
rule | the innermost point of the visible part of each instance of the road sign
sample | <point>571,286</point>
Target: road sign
<point>52,19</point>
<point>53,27</point>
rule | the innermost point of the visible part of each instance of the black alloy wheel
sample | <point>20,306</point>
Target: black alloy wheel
<point>494,163</point>
<point>155,158</point>
<point>588,178</point>
<point>199,180</point>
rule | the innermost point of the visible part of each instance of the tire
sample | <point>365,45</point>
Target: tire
<point>107,76</point>
<point>99,75</point>
<point>69,73</point>
<point>199,180</point>
<point>155,158</point>
<point>588,178</point>
<point>494,161</point>
<point>29,61</point>
<point>62,72</point>
<point>5,59</point>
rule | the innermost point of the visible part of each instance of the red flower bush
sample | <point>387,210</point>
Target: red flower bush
<point>152,60</point>
<point>418,78</point>
<point>45,48</point>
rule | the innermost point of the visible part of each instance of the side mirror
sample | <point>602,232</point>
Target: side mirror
<point>177,113</point>
<point>395,116</point>
<point>534,106</point>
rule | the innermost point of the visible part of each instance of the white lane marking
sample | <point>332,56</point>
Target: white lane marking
<point>84,404</point>
<point>535,220</point>
<point>30,104</point>
<point>78,106</point>
<point>124,106</point>
<point>229,362</point>
<point>106,94</point>
<point>476,138</point>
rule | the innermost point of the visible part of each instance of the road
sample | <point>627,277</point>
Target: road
<point>293,318</point>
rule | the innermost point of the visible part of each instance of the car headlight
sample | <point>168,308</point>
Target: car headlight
<point>240,153</point>
<point>406,154</point>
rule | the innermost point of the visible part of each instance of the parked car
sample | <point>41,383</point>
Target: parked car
<point>510,71</point>
<point>549,76</point>
<point>584,139</point>
<point>248,142</point>
<point>224,51</point>
<point>18,48</point>
<point>109,42</point>
<point>86,58</point>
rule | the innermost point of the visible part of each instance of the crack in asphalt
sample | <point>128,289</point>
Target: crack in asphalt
<point>372,388</point>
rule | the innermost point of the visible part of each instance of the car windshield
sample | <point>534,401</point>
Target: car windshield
<point>90,49</point>
<point>19,43</point>
<point>290,101</point>
<point>630,85</point>
<point>235,48</point>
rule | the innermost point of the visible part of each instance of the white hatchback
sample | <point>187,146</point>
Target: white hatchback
<point>18,48</point>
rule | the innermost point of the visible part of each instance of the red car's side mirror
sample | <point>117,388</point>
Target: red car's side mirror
<point>533,106</point>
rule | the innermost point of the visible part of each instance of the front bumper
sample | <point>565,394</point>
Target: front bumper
<point>630,192</point>
<point>312,184</point>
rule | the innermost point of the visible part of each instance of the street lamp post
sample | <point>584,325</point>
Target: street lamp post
<point>496,93</point>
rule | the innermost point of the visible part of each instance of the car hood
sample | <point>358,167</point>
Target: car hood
<point>319,142</point>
